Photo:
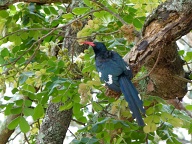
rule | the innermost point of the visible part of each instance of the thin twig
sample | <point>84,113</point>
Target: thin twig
<point>23,30</point>
<point>186,42</point>
<point>72,133</point>
<point>26,139</point>
<point>81,123</point>
<point>14,136</point>
<point>146,139</point>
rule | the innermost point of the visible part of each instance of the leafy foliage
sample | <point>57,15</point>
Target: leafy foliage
<point>29,35</point>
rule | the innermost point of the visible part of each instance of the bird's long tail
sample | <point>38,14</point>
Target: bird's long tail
<point>132,97</point>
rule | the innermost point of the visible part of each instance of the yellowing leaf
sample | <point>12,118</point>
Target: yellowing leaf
<point>150,128</point>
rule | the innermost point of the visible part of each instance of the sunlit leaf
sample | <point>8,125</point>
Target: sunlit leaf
<point>5,52</point>
<point>14,123</point>
<point>28,111</point>
<point>66,106</point>
<point>38,112</point>
<point>4,14</point>
<point>19,102</point>
<point>150,128</point>
<point>97,107</point>
<point>80,10</point>
<point>16,110</point>
<point>23,124</point>
<point>68,16</point>
<point>137,23</point>
<point>189,107</point>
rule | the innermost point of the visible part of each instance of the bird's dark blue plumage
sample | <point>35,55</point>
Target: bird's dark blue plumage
<point>116,74</point>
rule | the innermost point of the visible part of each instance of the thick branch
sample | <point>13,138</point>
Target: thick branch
<point>169,22</point>
<point>165,27</point>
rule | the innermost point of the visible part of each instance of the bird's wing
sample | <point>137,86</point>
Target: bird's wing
<point>124,66</point>
<point>110,68</point>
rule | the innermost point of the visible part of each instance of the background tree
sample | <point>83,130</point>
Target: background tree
<point>53,80</point>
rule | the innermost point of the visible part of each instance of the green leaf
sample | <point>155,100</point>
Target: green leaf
<point>96,106</point>
<point>57,99</point>
<point>29,88</point>
<point>176,122</point>
<point>92,140</point>
<point>76,108</point>
<point>4,14</point>
<point>181,52</point>
<point>88,3</point>
<point>19,102</point>
<point>137,23</point>
<point>150,128</point>
<point>28,103</point>
<point>189,54</point>
<point>5,52</point>
<point>1,60</point>
<point>22,79</point>
<point>16,110</point>
<point>12,7</point>
<point>23,124</point>
<point>24,35</point>
<point>150,110</point>
<point>28,111</point>
<point>14,90</point>
<point>17,41</point>
<point>190,129</point>
<point>67,16</point>
<point>66,106</point>
<point>7,98</point>
<point>148,119</point>
<point>38,112</point>
<point>12,38</point>
<point>8,109</point>
<point>53,10</point>
<point>82,119</point>
<point>46,10</point>
<point>80,10</point>
<point>189,107</point>
<point>14,123</point>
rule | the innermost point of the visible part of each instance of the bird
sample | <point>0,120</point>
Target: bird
<point>117,75</point>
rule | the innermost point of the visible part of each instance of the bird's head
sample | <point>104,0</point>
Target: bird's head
<point>97,46</point>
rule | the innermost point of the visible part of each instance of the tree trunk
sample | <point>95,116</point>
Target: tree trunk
<point>55,125</point>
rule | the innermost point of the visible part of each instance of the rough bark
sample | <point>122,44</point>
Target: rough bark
<point>157,49</point>
<point>5,133</point>
<point>55,125</point>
